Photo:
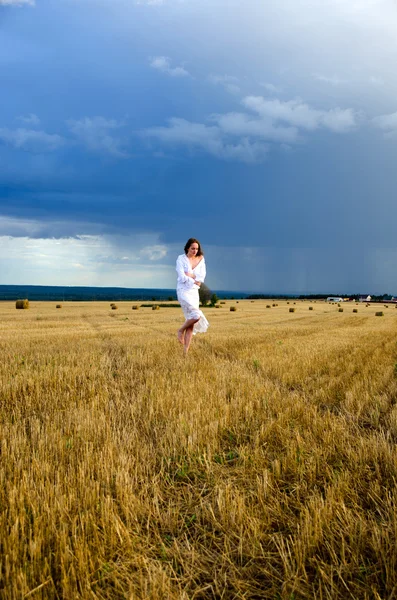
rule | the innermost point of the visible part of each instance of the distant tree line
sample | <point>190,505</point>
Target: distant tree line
<point>356,297</point>
<point>382,298</point>
<point>374,298</point>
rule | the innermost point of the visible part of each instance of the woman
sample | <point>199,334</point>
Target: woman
<point>190,268</point>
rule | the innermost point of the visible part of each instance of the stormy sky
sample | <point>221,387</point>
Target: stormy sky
<point>266,130</point>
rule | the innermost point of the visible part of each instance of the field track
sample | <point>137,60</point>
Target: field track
<point>262,466</point>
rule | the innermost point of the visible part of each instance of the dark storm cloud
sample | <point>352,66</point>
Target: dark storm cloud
<point>119,120</point>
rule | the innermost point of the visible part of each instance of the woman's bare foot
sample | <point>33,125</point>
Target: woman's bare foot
<point>181,335</point>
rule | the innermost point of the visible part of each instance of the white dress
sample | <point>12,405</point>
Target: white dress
<point>188,292</point>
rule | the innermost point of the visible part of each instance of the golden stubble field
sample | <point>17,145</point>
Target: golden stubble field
<point>262,466</point>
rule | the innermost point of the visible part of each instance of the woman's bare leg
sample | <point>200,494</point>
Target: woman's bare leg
<point>182,331</point>
<point>188,339</point>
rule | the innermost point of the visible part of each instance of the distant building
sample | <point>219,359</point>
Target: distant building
<point>334,299</point>
<point>364,298</point>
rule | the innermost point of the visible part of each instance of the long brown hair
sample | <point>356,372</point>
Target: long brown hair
<point>194,241</point>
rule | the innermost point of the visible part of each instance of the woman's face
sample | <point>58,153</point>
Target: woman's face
<point>193,249</point>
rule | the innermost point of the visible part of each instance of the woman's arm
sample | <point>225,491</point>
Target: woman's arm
<point>180,269</point>
<point>201,271</point>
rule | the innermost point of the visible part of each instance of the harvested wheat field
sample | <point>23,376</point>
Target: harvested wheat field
<point>262,466</point>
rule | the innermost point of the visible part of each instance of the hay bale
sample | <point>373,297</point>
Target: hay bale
<point>223,302</point>
<point>135,307</point>
<point>114,307</point>
<point>310,308</point>
<point>355,310</point>
<point>291,309</point>
<point>156,307</point>
<point>22,303</point>
<point>233,309</point>
<point>340,309</point>
<point>217,306</point>
<point>268,305</point>
<point>58,306</point>
<point>379,314</point>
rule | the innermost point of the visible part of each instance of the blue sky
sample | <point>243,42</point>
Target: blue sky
<point>266,130</point>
